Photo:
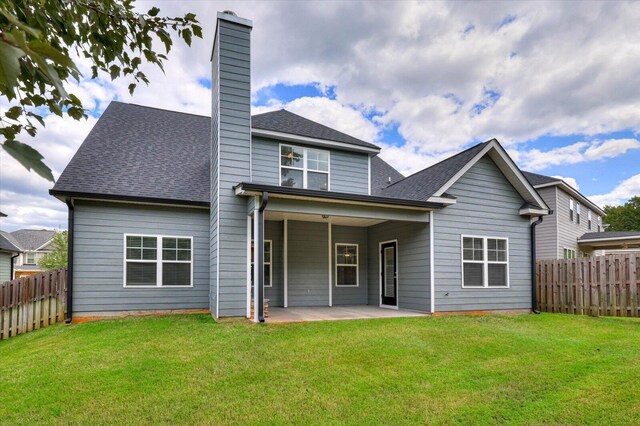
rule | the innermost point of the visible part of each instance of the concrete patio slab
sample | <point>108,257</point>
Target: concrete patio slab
<point>325,313</point>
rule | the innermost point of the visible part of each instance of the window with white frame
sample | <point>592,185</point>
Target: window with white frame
<point>347,265</point>
<point>589,220</point>
<point>267,263</point>
<point>485,262</point>
<point>599,220</point>
<point>304,168</point>
<point>569,253</point>
<point>158,261</point>
<point>30,258</point>
<point>571,209</point>
<point>578,213</point>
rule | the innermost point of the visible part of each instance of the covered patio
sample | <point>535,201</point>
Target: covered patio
<point>334,313</point>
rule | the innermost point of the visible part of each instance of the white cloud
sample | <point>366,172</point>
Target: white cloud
<point>572,182</point>
<point>621,193</point>
<point>556,69</point>
<point>578,152</point>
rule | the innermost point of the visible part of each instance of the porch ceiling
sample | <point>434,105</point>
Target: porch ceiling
<point>335,220</point>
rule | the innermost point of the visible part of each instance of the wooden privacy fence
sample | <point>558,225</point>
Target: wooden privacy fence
<point>32,302</point>
<point>602,285</point>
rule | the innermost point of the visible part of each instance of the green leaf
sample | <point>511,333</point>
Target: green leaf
<point>9,65</point>
<point>114,71</point>
<point>197,31</point>
<point>14,112</point>
<point>76,113</point>
<point>190,17</point>
<point>50,52</point>
<point>165,38</point>
<point>15,21</point>
<point>30,158</point>
<point>132,87</point>
<point>186,34</point>
<point>154,11</point>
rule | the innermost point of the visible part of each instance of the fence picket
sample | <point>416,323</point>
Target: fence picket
<point>32,302</point>
<point>604,285</point>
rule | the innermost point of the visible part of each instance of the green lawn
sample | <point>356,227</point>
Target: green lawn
<point>527,369</point>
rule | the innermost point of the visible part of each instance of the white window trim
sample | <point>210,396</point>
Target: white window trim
<point>304,167</point>
<point>26,258</point>
<point>485,261</point>
<point>357,264</point>
<point>265,261</point>
<point>571,250</point>
<point>571,210</point>
<point>158,261</point>
<point>577,213</point>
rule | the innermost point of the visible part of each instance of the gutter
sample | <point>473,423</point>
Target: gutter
<point>534,297</point>
<point>69,315</point>
<point>12,267</point>
<point>259,247</point>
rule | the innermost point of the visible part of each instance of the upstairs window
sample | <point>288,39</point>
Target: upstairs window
<point>485,262</point>
<point>571,209</point>
<point>589,220</point>
<point>156,261</point>
<point>578,213</point>
<point>30,258</point>
<point>599,219</point>
<point>304,168</point>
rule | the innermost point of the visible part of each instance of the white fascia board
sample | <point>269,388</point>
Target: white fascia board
<point>443,200</point>
<point>533,212</point>
<point>608,240</point>
<point>313,141</point>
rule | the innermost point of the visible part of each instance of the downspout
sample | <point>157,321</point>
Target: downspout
<point>534,297</point>
<point>12,267</point>
<point>69,315</point>
<point>259,247</point>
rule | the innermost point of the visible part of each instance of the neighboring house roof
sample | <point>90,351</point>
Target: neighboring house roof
<point>24,267</point>
<point>537,179</point>
<point>609,235</point>
<point>32,239</point>
<point>382,175</point>
<point>288,122</point>
<point>8,243</point>
<point>541,181</point>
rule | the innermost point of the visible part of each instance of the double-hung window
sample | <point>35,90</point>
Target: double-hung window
<point>578,213</point>
<point>599,220</point>
<point>571,209</point>
<point>30,258</point>
<point>304,168</point>
<point>158,261</point>
<point>485,262</point>
<point>267,263</point>
<point>589,220</point>
<point>569,253</point>
<point>346,265</point>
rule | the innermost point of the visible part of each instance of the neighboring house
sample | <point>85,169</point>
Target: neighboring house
<point>8,251</point>
<point>576,226</point>
<point>34,245</point>
<point>164,208</point>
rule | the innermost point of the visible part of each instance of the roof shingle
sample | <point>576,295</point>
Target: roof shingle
<point>31,239</point>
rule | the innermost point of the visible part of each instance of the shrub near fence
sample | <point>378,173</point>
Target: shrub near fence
<point>602,285</point>
<point>32,302</point>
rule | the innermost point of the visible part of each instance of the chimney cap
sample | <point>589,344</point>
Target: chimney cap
<point>229,12</point>
<point>230,16</point>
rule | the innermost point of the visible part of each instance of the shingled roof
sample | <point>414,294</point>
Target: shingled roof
<point>139,152</point>
<point>423,184</point>
<point>382,175</point>
<point>609,235</point>
<point>8,243</point>
<point>288,122</point>
<point>31,239</point>
<point>536,179</point>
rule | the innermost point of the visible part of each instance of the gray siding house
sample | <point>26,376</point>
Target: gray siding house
<point>574,216</point>
<point>171,211</point>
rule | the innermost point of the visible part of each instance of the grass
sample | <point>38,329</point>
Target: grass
<point>546,369</point>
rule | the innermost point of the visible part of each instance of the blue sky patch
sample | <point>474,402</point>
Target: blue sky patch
<point>286,93</point>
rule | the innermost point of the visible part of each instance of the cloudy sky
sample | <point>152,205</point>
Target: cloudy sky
<point>558,84</point>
